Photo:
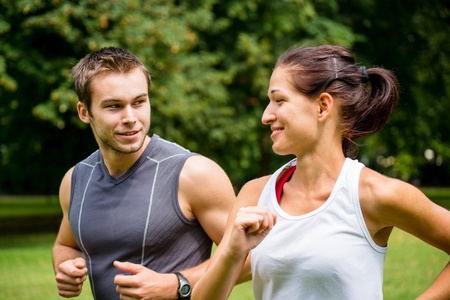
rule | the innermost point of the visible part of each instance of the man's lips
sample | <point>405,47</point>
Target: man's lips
<point>128,133</point>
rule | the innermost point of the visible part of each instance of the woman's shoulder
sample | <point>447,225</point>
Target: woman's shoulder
<point>382,196</point>
<point>257,183</point>
<point>250,192</point>
<point>374,185</point>
<point>388,202</point>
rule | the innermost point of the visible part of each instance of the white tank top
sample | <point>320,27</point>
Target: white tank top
<point>325,254</point>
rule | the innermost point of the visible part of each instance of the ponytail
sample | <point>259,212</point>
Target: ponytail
<point>366,97</point>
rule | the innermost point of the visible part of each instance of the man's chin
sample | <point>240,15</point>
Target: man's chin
<point>127,149</point>
<point>131,150</point>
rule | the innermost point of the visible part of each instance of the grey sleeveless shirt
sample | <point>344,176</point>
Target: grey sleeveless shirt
<point>134,218</point>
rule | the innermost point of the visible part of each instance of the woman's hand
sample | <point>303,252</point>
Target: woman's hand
<point>252,224</point>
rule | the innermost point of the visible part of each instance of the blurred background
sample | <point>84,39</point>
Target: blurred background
<point>210,62</point>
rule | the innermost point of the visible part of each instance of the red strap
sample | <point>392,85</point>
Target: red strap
<point>285,176</point>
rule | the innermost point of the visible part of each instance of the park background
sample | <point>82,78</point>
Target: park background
<point>210,62</point>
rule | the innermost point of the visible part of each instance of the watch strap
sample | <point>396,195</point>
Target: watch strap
<point>182,281</point>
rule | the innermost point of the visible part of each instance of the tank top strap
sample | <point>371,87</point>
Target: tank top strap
<point>284,177</point>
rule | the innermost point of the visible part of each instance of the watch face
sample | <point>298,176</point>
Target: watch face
<point>185,289</point>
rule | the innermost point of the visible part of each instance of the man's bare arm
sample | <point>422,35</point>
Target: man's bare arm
<point>68,262</point>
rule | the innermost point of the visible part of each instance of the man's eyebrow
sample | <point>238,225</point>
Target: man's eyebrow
<point>107,100</point>
<point>141,95</point>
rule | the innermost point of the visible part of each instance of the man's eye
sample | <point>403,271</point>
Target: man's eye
<point>113,106</point>
<point>279,100</point>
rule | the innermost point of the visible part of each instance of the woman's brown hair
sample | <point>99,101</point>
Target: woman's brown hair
<point>366,97</point>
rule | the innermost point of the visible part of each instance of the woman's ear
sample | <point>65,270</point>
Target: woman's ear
<point>325,105</point>
<point>83,113</point>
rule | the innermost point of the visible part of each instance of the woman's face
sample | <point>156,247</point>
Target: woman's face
<point>293,117</point>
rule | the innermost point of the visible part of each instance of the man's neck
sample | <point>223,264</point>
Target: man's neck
<point>119,163</point>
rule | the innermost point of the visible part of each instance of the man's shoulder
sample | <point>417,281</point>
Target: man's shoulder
<point>92,159</point>
<point>200,173</point>
<point>87,164</point>
<point>200,166</point>
<point>160,148</point>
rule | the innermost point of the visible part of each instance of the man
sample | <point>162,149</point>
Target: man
<point>140,208</point>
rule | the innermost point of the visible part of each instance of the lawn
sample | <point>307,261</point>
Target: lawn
<point>26,268</point>
<point>26,271</point>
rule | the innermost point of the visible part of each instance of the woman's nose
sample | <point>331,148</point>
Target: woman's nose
<point>268,115</point>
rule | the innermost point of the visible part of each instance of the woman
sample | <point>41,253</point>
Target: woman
<point>320,224</point>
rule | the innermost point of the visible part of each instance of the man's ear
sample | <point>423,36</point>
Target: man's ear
<point>83,113</point>
<point>325,105</point>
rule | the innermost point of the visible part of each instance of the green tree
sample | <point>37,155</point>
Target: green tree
<point>210,61</point>
<point>410,38</point>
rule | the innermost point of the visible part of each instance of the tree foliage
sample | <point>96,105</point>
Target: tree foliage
<point>411,39</point>
<point>210,62</point>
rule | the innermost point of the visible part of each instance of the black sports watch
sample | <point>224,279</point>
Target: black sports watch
<point>184,287</point>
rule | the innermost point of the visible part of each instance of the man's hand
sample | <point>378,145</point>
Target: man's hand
<point>144,283</point>
<point>70,276</point>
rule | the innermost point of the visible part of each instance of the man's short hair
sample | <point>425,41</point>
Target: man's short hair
<point>108,59</point>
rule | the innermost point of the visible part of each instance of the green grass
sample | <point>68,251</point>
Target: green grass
<point>29,206</point>
<point>26,271</point>
<point>26,268</point>
<point>440,196</point>
<point>411,266</point>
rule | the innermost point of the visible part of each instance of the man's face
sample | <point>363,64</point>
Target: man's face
<point>120,111</point>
